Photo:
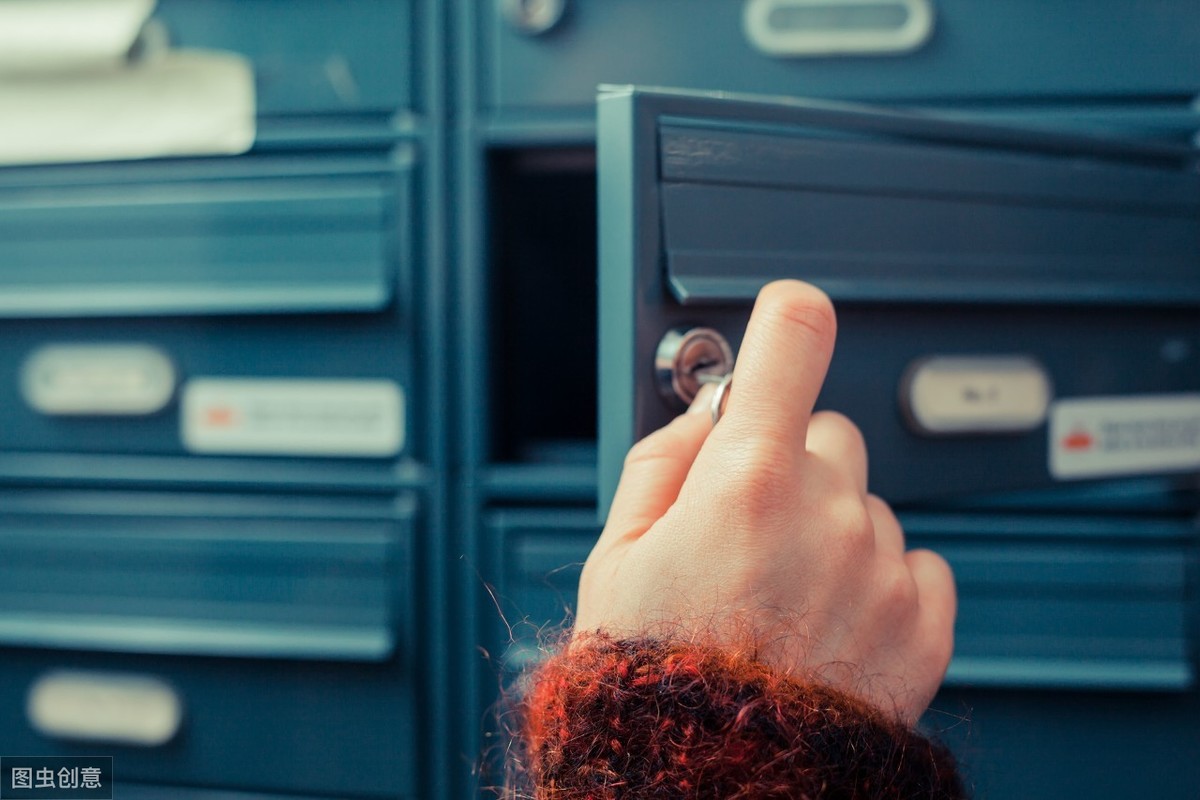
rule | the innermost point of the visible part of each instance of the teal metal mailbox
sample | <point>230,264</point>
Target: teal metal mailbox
<point>254,641</point>
<point>263,305</point>
<point>912,51</point>
<point>1016,308</point>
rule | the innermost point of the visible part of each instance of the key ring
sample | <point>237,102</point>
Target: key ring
<point>719,397</point>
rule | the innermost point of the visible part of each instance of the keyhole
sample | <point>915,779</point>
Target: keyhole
<point>686,359</point>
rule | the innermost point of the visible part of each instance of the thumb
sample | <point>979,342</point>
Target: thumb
<point>655,470</point>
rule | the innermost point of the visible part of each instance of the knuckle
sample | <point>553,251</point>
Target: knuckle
<point>846,517</point>
<point>878,504</point>
<point>934,569</point>
<point>879,509</point>
<point>835,420</point>
<point>898,589</point>
<point>943,566</point>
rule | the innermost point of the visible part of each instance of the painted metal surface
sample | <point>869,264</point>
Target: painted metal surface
<point>934,238</point>
<point>420,207</point>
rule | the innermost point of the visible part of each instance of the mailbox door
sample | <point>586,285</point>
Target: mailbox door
<point>1016,309</point>
<point>265,642</point>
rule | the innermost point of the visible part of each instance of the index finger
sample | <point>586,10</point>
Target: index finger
<point>781,364</point>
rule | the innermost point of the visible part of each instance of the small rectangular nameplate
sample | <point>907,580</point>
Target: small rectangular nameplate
<point>1092,437</point>
<point>299,417</point>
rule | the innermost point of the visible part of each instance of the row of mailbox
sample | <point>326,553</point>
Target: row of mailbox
<point>174,320</point>
<point>269,300</point>
<point>237,323</point>
<point>176,629</point>
<point>274,304</point>
<point>1045,602</point>
<point>554,54</point>
<point>315,57</point>
<point>1075,642</point>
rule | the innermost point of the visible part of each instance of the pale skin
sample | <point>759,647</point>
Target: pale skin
<point>760,533</point>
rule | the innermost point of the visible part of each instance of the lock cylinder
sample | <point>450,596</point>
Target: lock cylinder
<point>686,359</point>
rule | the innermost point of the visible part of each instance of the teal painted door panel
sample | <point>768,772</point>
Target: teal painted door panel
<point>1009,51</point>
<point>309,56</point>
<point>933,237</point>
<point>284,627</point>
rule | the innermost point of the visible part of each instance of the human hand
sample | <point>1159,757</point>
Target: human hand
<point>759,533</point>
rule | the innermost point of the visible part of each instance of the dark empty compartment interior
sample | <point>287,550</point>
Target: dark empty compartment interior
<point>543,305</point>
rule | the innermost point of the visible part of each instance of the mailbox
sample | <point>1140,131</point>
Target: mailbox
<point>1016,309</point>
<point>257,641</point>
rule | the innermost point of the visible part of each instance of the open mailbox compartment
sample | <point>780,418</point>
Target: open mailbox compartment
<point>1072,262</point>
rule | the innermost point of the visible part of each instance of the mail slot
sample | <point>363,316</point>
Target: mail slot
<point>1016,309</point>
<point>270,233</point>
<point>1096,603</point>
<point>206,575</point>
<point>1099,602</point>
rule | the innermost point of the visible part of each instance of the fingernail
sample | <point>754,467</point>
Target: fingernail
<point>700,405</point>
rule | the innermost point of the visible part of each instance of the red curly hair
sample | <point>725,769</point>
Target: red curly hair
<point>609,719</point>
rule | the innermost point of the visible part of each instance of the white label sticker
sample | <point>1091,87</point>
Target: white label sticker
<point>136,710</point>
<point>98,379</point>
<point>1100,436</point>
<point>293,417</point>
<point>977,394</point>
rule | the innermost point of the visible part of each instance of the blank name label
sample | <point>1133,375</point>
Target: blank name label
<point>347,418</point>
<point>1100,436</point>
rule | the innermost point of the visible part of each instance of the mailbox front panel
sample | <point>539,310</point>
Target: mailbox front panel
<point>257,641</point>
<point>1095,603</point>
<point>217,307</point>
<point>308,57</point>
<point>892,50</point>
<point>1016,309</point>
